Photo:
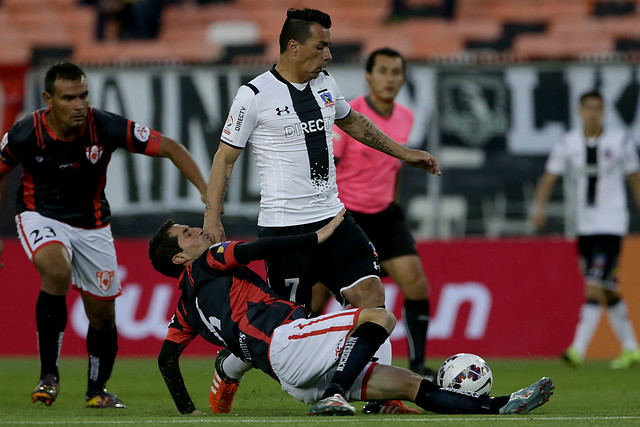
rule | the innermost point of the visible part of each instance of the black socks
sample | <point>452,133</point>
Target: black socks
<point>102,347</point>
<point>358,351</point>
<point>448,401</point>
<point>416,320</point>
<point>51,320</point>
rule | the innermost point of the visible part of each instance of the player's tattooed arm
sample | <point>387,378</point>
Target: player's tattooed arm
<point>360,127</point>
<point>364,130</point>
<point>219,181</point>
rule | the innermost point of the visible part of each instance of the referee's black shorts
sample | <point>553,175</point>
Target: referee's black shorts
<point>388,232</point>
<point>342,261</point>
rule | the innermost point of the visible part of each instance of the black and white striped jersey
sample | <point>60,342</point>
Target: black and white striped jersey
<point>289,127</point>
<point>599,167</point>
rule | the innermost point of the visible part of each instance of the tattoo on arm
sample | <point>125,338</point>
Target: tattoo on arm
<point>225,188</point>
<point>372,136</point>
<point>372,140</point>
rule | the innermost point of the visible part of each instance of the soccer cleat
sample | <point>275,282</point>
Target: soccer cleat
<point>222,388</point>
<point>47,390</point>
<point>388,407</point>
<point>627,359</point>
<point>104,399</point>
<point>425,372</point>
<point>529,398</point>
<point>332,405</point>
<point>572,357</point>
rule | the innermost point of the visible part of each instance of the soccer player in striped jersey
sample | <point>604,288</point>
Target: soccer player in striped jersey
<point>287,115</point>
<point>63,217</point>
<point>324,361</point>
<point>599,160</point>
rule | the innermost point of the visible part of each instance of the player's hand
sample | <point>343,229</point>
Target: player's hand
<point>1,250</point>
<point>215,231</point>
<point>325,232</point>
<point>423,160</point>
<point>539,218</point>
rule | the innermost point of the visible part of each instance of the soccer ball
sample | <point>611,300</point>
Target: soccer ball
<point>465,371</point>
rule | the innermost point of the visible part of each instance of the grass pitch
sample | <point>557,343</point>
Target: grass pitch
<point>593,395</point>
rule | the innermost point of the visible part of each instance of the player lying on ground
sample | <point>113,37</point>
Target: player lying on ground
<point>325,360</point>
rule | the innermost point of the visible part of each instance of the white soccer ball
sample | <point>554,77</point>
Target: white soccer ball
<point>466,371</point>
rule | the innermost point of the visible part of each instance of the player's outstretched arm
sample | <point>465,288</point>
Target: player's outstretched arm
<point>265,246</point>
<point>361,128</point>
<point>219,179</point>
<point>169,364</point>
<point>184,162</point>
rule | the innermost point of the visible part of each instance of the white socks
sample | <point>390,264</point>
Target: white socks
<point>589,318</point>
<point>235,368</point>
<point>622,326</point>
<point>384,353</point>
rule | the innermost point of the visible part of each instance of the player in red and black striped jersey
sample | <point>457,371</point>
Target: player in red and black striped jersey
<point>63,217</point>
<point>65,180</point>
<point>324,360</point>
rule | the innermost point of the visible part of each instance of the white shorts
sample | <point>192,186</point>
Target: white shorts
<point>94,267</point>
<point>304,355</point>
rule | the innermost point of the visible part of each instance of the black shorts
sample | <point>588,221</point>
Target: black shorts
<point>345,258</point>
<point>388,232</point>
<point>599,257</point>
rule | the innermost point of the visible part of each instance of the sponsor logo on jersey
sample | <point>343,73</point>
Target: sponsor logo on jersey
<point>105,279</point>
<point>5,141</point>
<point>141,132</point>
<point>328,100</point>
<point>240,119</point>
<point>298,129</point>
<point>284,110</point>
<point>94,152</point>
<point>74,165</point>
<point>228,125</point>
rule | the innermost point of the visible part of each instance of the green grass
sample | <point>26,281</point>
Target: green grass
<point>593,395</point>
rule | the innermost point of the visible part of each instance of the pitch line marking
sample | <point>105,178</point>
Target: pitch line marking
<point>314,420</point>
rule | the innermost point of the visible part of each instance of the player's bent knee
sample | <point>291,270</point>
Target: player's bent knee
<point>368,293</point>
<point>379,316</point>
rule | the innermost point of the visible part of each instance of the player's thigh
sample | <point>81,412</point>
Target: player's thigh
<point>290,274</point>
<point>95,266</point>
<point>346,260</point>
<point>599,259</point>
<point>46,243</point>
<point>407,272</point>
<point>303,351</point>
<point>388,232</point>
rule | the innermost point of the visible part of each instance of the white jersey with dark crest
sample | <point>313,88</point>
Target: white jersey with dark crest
<point>289,127</point>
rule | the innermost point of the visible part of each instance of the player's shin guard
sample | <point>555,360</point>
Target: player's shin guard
<point>51,320</point>
<point>102,347</point>
<point>357,352</point>
<point>450,401</point>
<point>416,320</point>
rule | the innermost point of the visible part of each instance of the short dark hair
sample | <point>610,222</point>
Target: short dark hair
<point>61,70</point>
<point>298,23</point>
<point>162,248</point>
<point>386,51</point>
<point>591,94</point>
